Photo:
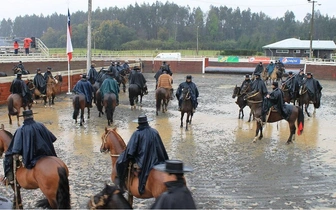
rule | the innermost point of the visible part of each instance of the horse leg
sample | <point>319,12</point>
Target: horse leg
<point>124,87</point>
<point>306,109</point>
<point>191,116</point>
<point>292,129</point>
<point>130,198</point>
<point>141,100</point>
<point>18,118</point>
<point>187,121</point>
<point>182,114</point>
<point>81,117</point>
<point>17,201</point>
<point>88,112</point>
<point>259,128</point>
<point>10,119</point>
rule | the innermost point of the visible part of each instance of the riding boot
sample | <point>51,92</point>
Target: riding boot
<point>179,105</point>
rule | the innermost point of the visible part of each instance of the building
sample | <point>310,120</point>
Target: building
<point>300,48</point>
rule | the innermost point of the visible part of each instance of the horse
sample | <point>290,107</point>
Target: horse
<point>50,174</point>
<point>113,143</point>
<point>256,100</point>
<point>99,102</point>
<point>110,103</point>
<point>134,92</point>
<point>50,91</point>
<point>162,96</point>
<point>304,99</point>
<point>287,97</point>
<point>237,92</point>
<point>16,69</point>
<point>111,197</point>
<point>14,103</point>
<point>123,78</point>
<point>264,75</point>
<point>79,103</point>
<point>277,74</point>
<point>186,107</point>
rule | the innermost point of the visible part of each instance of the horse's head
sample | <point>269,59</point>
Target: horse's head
<point>112,142</point>
<point>236,91</point>
<point>302,89</point>
<point>30,84</point>
<point>104,146</point>
<point>110,197</point>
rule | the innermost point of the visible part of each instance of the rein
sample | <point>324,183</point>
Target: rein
<point>105,138</point>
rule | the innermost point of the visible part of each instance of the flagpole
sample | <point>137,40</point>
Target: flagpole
<point>69,51</point>
<point>69,82</point>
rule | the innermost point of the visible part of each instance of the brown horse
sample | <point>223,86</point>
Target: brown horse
<point>99,102</point>
<point>50,91</point>
<point>14,103</point>
<point>79,103</point>
<point>110,197</point>
<point>123,77</point>
<point>110,103</point>
<point>264,76</point>
<point>241,102</point>
<point>113,143</point>
<point>256,101</point>
<point>162,96</point>
<point>50,174</point>
<point>304,99</point>
<point>186,107</point>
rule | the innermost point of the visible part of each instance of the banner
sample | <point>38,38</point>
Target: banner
<point>229,59</point>
<point>290,60</point>
<point>259,59</point>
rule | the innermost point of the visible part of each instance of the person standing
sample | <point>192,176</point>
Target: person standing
<point>83,86</point>
<point>177,196</point>
<point>16,48</point>
<point>193,91</point>
<point>146,149</point>
<point>32,141</point>
<point>110,85</point>
<point>166,81</point>
<point>26,45</point>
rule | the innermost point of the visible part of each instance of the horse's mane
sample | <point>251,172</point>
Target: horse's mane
<point>119,138</point>
<point>8,133</point>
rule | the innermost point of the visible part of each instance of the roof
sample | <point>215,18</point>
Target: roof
<point>294,43</point>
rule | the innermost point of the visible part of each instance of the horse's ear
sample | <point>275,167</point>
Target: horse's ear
<point>105,129</point>
<point>115,128</point>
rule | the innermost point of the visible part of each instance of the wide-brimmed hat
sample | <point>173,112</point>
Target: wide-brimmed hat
<point>26,113</point>
<point>136,68</point>
<point>84,75</point>
<point>173,166</point>
<point>290,73</point>
<point>275,84</point>
<point>142,119</point>
<point>309,73</point>
<point>188,77</point>
<point>247,76</point>
<point>257,74</point>
<point>49,68</point>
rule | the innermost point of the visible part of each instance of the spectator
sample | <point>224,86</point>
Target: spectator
<point>16,47</point>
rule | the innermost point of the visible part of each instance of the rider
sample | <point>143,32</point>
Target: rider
<point>33,141</point>
<point>275,99</point>
<point>290,83</point>
<point>20,87</point>
<point>47,74</point>
<point>138,78</point>
<point>177,196</point>
<point>259,68</point>
<point>39,81</point>
<point>314,88</point>
<point>246,82</point>
<point>84,87</point>
<point>146,149</point>
<point>193,89</point>
<point>258,85</point>
<point>165,81</point>
<point>298,79</point>
<point>167,67</point>
<point>92,75</point>
<point>119,67</point>
<point>110,85</point>
<point>270,68</point>
<point>125,65</point>
<point>113,69</point>
<point>20,66</point>
<point>281,66</point>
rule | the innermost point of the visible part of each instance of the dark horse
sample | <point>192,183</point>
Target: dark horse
<point>304,99</point>
<point>256,100</point>
<point>287,97</point>
<point>186,107</point>
<point>162,96</point>
<point>99,102</point>
<point>115,145</point>
<point>110,103</point>
<point>134,92</point>
<point>50,174</point>
<point>14,103</point>
<point>123,77</point>
<point>241,102</point>
<point>79,103</point>
<point>111,197</point>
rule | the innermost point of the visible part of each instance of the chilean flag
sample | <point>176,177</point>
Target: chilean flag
<point>69,44</point>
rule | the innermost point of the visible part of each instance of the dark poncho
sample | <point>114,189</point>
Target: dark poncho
<point>40,82</point>
<point>19,87</point>
<point>84,87</point>
<point>138,79</point>
<point>146,149</point>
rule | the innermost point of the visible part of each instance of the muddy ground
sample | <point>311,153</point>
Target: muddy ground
<point>229,170</point>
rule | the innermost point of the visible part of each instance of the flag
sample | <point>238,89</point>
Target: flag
<point>69,44</point>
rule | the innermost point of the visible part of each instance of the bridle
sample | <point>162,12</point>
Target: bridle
<point>105,139</point>
<point>187,96</point>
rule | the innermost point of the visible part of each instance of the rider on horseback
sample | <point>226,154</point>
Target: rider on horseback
<point>113,69</point>
<point>20,87</point>
<point>136,77</point>
<point>276,100</point>
<point>314,88</point>
<point>20,66</point>
<point>258,85</point>
<point>247,81</point>
<point>258,69</point>
<point>47,73</point>
<point>193,90</point>
<point>270,68</point>
<point>146,149</point>
<point>84,87</point>
<point>166,81</point>
<point>92,75</point>
<point>40,82</point>
<point>290,84</point>
<point>33,141</point>
<point>110,85</point>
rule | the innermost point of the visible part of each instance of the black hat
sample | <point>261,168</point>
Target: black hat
<point>247,76</point>
<point>163,61</point>
<point>49,68</point>
<point>309,73</point>
<point>301,69</point>
<point>26,113</point>
<point>173,166</point>
<point>20,61</point>
<point>188,77</point>
<point>290,73</point>
<point>38,69</point>
<point>257,74</point>
<point>19,73</point>
<point>136,68</point>
<point>275,84</point>
<point>142,119</point>
<point>84,75</point>
<point>260,62</point>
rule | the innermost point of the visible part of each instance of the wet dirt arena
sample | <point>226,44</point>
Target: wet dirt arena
<point>229,170</point>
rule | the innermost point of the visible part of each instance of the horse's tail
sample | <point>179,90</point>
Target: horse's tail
<point>158,100</point>
<point>63,191</point>
<point>11,109</point>
<point>109,108</point>
<point>76,108</point>
<point>300,121</point>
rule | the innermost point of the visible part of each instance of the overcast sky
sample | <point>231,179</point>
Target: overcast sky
<point>273,8</point>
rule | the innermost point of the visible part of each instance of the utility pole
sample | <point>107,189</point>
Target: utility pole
<point>311,29</point>
<point>197,41</point>
<point>88,59</point>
